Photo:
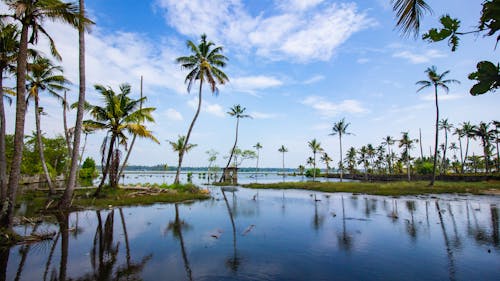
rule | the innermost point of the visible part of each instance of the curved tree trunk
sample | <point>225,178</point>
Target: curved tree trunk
<point>41,154</point>
<point>3,159</point>
<point>341,164</point>
<point>15,170</point>
<point>181,155</point>
<point>232,150</point>
<point>105,171</point>
<point>466,151</point>
<point>461,155</point>
<point>71,184</point>
<point>65,124</point>
<point>83,150</point>
<point>436,138</point>
<point>486,154</point>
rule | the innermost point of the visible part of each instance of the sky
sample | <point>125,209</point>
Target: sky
<point>297,66</point>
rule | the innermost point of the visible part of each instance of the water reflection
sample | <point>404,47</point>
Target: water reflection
<point>285,234</point>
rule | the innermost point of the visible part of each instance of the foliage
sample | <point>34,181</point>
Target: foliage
<point>310,172</point>
<point>487,77</point>
<point>88,172</point>
<point>423,167</point>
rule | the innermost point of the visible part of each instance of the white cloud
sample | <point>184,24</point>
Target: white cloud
<point>417,58</point>
<point>442,97</point>
<point>211,108</point>
<point>173,115</point>
<point>297,5</point>
<point>314,79</point>
<point>299,34</point>
<point>262,115</point>
<point>330,109</point>
<point>251,84</point>
<point>363,60</point>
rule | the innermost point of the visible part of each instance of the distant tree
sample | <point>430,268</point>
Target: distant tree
<point>446,127</point>
<point>407,144</point>
<point>340,128</point>
<point>283,150</point>
<point>468,131</point>
<point>180,146</point>
<point>258,147</point>
<point>486,135</point>
<point>326,159</point>
<point>351,160</point>
<point>236,111</point>
<point>315,146</point>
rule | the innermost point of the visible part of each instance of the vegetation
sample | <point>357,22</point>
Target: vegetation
<point>340,129</point>
<point>236,111</point>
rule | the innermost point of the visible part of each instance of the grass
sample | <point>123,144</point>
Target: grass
<point>389,188</point>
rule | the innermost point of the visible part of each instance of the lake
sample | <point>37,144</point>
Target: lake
<point>244,234</point>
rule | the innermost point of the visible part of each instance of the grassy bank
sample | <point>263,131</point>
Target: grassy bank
<point>389,188</point>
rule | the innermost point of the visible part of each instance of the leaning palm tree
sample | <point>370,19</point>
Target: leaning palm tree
<point>9,46</point>
<point>180,145</point>
<point>388,141</point>
<point>486,135</point>
<point>315,146</point>
<point>283,150</point>
<point>204,65</point>
<point>409,14</point>
<point>438,81</point>
<point>257,146</point>
<point>119,115</point>
<point>30,14</point>
<point>340,128</point>
<point>446,127</point>
<point>407,144</point>
<point>43,76</point>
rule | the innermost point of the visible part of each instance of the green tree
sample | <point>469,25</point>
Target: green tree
<point>446,127</point>
<point>325,158</point>
<point>315,146</point>
<point>180,146</point>
<point>43,76</point>
<point>486,135</point>
<point>88,172</point>
<point>119,115</point>
<point>30,14</point>
<point>238,112</point>
<point>204,65</point>
<point>351,160</point>
<point>437,81</point>
<point>364,159</point>
<point>468,131</point>
<point>258,147</point>
<point>283,150</point>
<point>407,144</point>
<point>340,128</point>
<point>388,141</point>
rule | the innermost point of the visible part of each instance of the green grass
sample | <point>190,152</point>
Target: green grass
<point>388,188</point>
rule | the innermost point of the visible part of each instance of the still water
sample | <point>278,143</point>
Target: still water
<point>244,234</point>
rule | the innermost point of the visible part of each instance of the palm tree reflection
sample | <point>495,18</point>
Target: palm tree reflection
<point>177,227</point>
<point>345,240</point>
<point>234,262</point>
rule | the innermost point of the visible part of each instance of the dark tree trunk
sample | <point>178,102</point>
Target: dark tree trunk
<point>41,153</point>
<point>232,150</point>
<point>341,164</point>
<point>3,159</point>
<point>436,138</point>
<point>106,168</point>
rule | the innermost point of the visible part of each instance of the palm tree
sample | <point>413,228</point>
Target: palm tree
<point>43,76</point>
<point>409,13</point>
<point>180,145</point>
<point>257,146</point>
<point>204,65</point>
<point>460,134</point>
<point>364,159</point>
<point>453,147</point>
<point>238,112</point>
<point>486,135</point>
<point>120,114</point>
<point>468,131</point>
<point>326,159</point>
<point>438,81</point>
<point>351,160</point>
<point>407,145</point>
<point>84,23</point>
<point>283,150</point>
<point>30,14</point>
<point>340,128</point>
<point>315,146</point>
<point>444,125</point>
<point>497,131</point>
<point>388,141</point>
<point>301,169</point>
<point>9,46</point>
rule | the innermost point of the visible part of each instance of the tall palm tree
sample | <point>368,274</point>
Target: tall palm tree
<point>119,115</point>
<point>497,140</point>
<point>283,150</point>
<point>351,160</point>
<point>9,46</point>
<point>43,76</point>
<point>438,81</point>
<point>257,146</point>
<point>340,128</point>
<point>83,24</point>
<point>468,131</point>
<point>204,65</point>
<point>238,112</point>
<point>364,159</point>
<point>409,14</point>
<point>388,141</point>
<point>459,132</point>
<point>315,146</point>
<point>407,143</point>
<point>446,127</point>
<point>325,158</point>
<point>180,145</point>
<point>30,14</point>
<point>486,135</point>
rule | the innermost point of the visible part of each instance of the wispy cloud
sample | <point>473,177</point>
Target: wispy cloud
<point>314,79</point>
<point>252,84</point>
<point>329,109</point>
<point>419,57</point>
<point>210,108</point>
<point>263,115</point>
<point>445,97</point>
<point>173,115</point>
<point>297,5</point>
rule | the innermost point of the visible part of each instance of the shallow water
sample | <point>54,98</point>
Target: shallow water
<point>244,234</point>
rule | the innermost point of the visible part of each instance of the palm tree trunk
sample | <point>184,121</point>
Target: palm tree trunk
<point>105,171</point>
<point>436,138</point>
<point>443,165</point>
<point>408,162</point>
<point>83,150</point>
<point>486,156</point>
<point>461,155</point>
<point>498,153</point>
<point>3,159</point>
<point>466,151</point>
<point>420,142</point>
<point>15,170</point>
<point>65,124</point>
<point>41,154</point>
<point>68,192</point>
<point>131,144</point>
<point>232,150</point>
<point>181,155</point>
<point>314,167</point>
<point>257,165</point>
<point>341,164</point>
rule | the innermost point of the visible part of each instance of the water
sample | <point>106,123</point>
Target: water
<point>281,235</point>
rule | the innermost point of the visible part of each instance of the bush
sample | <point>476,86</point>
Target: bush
<point>424,167</point>
<point>88,172</point>
<point>310,172</point>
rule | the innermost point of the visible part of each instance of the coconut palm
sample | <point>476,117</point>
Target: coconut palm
<point>238,112</point>
<point>407,145</point>
<point>30,14</point>
<point>468,131</point>
<point>409,14</point>
<point>453,147</point>
<point>388,141</point>
<point>351,160</point>
<point>325,158</point>
<point>283,150</point>
<point>497,139</point>
<point>486,135</point>
<point>118,116</point>
<point>43,76</point>
<point>315,146</point>
<point>364,159</point>
<point>340,128</point>
<point>204,65</point>
<point>460,134</point>
<point>301,169</point>
<point>258,147</point>
<point>180,145</point>
<point>9,46</point>
<point>446,127</point>
<point>438,81</point>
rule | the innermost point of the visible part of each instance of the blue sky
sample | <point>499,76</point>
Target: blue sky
<point>297,66</point>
